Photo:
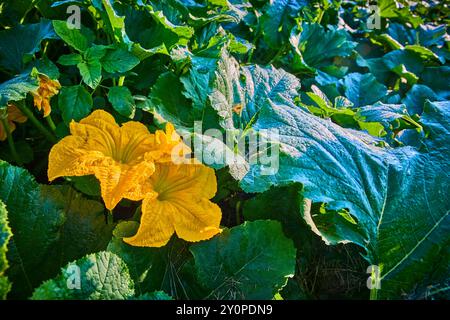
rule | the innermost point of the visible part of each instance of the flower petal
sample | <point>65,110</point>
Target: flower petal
<point>115,155</point>
<point>184,181</point>
<point>197,220</point>
<point>116,181</point>
<point>182,205</point>
<point>156,226</point>
<point>69,158</point>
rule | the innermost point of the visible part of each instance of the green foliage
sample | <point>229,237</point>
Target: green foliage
<point>75,103</point>
<point>5,235</point>
<point>19,44</point>
<point>122,101</point>
<point>235,265</point>
<point>362,114</point>
<point>51,226</point>
<point>375,185</point>
<point>103,275</point>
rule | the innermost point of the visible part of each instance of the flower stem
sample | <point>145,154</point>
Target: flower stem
<point>121,81</point>
<point>12,146</point>
<point>50,122</point>
<point>50,137</point>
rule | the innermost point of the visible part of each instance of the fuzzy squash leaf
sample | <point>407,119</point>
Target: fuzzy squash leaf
<point>52,225</point>
<point>251,261</point>
<point>102,275</point>
<point>396,198</point>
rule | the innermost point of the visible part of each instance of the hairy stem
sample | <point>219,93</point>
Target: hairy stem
<point>48,135</point>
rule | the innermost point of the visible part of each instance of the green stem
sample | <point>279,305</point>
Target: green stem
<point>50,137</point>
<point>277,55</point>
<point>114,82</point>
<point>109,217</point>
<point>121,81</point>
<point>50,122</point>
<point>31,7</point>
<point>12,146</point>
<point>319,19</point>
<point>238,213</point>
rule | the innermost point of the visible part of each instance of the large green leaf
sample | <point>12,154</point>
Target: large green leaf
<point>119,61</point>
<point>79,39</point>
<point>234,92</point>
<point>363,89</point>
<point>75,103</point>
<point>318,46</point>
<point>102,276</point>
<point>51,225</point>
<point>122,101</point>
<point>19,44</point>
<point>439,84</point>
<point>396,198</point>
<point>279,19</point>
<point>284,204</point>
<point>167,100</point>
<point>17,88</point>
<point>5,235</point>
<point>415,98</point>
<point>250,261</point>
<point>91,73</point>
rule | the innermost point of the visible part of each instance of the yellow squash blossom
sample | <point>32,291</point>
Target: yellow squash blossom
<point>178,203</point>
<point>14,115</point>
<point>47,89</point>
<point>121,158</point>
<point>170,146</point>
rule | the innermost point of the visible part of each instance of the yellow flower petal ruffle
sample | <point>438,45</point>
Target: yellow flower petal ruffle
<point>117,156</point>
<point>179,205</point>
<point>47,89</point>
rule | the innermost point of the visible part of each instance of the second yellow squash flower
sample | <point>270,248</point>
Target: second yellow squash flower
<point>47,89</point>
<point>132,163</point>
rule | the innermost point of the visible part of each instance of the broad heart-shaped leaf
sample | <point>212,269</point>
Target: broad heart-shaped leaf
<point>70,59</point>
<point>167,100</point>
<point>91,72</point>
<point>397,197</point>
<point>284,204</point>
<point>236,93</point>
<point>17,88</point>
<point>438,84</point>
<point>384,113</point>
<point>122,101</point>
<point>318,46</point>
<point>415,98</point>
<point>278,20</point>
<point>5,235</point>
<point>18,44</point>
<point>251,261</point>
<point>79,39</point>
<point>84,229</point>
<point>51,226</point>
<point>98,276</point>
<point>119,61</point>
<point>363,89</point>
<point>75,103</point>
<point>118,25</point>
